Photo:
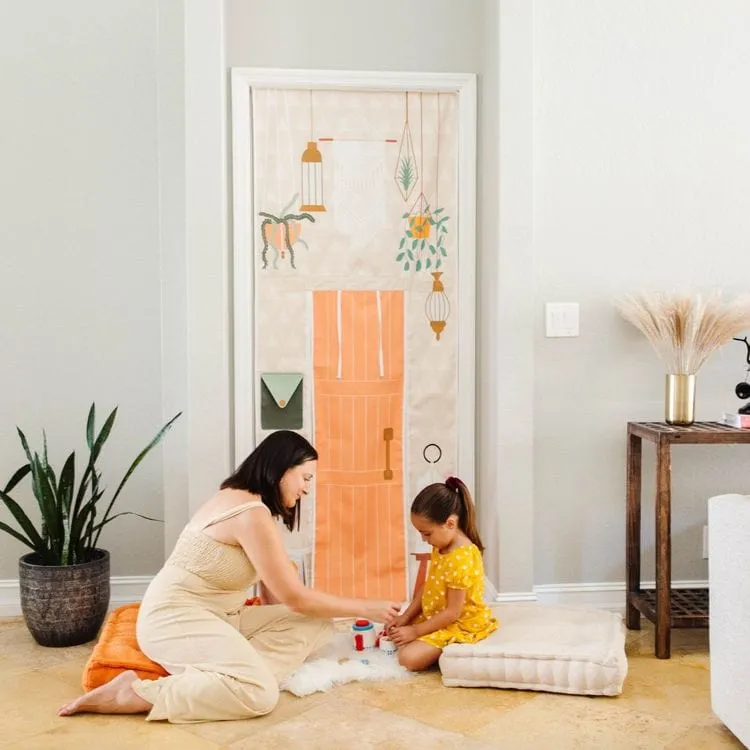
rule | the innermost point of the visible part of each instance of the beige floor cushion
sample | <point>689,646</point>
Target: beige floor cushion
<point>539,647</point>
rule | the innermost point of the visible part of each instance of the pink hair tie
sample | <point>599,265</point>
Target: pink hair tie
<point>452,483</point>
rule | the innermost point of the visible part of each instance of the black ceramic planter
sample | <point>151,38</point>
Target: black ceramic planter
<point>64,605</point>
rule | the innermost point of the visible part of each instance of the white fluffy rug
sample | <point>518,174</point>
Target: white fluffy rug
<point>339,663</point>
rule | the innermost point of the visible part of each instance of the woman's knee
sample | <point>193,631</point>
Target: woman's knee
<point>317,631</point>
<point>257,694</point>
<point>263,698</point>
<point>326,630</point>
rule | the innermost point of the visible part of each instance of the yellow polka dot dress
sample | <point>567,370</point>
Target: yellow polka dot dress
<point>462,568</point>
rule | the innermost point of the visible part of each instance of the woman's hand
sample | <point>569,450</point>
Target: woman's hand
<point>383,612</point>
<point>403,635</point>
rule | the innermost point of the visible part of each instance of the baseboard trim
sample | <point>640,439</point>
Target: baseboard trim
<point>596,595</point>
<point>511,597</point>
<point>124,589</point>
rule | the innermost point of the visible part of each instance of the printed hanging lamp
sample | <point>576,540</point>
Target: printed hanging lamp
<point>437,306</point>
<point>312,179</point>
<point>312,173</point>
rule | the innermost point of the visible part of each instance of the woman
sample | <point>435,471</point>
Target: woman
<point>225,659</point>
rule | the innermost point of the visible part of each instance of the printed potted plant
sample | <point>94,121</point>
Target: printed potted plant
<point>423,242</point>
<point>64,580</point>
<point>282,233</point>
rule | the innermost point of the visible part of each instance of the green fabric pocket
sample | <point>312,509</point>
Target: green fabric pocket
<point>281,400</point>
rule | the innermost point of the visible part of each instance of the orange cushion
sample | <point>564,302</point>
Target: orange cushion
<point>117,650</point>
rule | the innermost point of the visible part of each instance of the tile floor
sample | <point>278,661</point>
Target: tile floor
<point>665,704</point>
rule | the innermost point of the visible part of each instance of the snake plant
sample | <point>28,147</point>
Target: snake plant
<point>71,518</point>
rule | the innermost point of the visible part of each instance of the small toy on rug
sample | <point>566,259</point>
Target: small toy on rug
<point>340,662</point>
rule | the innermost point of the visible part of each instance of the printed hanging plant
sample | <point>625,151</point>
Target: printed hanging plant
<point>423,243</point>
<point>407,175</point>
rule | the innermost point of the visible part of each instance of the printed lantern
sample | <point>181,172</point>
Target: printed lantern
<point>437,307</point>
<point>312,179</point>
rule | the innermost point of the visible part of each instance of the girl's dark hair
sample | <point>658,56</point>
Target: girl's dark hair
<point>438,501</point>
<point>261,472</point>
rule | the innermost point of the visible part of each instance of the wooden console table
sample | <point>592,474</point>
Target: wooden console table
<point>667,608</point>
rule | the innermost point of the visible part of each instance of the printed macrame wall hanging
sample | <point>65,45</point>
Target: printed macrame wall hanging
<point>352,324</point>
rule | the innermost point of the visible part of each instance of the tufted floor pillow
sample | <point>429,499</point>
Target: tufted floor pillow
<point>547,648</point>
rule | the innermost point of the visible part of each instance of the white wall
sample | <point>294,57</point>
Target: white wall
<point>429,35</point>
<point>641,122</point>
<point>79,238</point>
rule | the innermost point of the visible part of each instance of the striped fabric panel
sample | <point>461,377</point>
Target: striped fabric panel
<point>359,513</point>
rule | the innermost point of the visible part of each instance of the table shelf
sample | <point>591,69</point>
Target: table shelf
<point>688,608</point>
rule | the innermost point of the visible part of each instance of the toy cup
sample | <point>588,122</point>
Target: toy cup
<point>387,646</point>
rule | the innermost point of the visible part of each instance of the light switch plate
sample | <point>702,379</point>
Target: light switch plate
<point>561,319</point>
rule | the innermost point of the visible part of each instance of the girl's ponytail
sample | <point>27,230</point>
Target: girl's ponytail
<point>467,517</point>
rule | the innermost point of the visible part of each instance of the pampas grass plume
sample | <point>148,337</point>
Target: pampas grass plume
<point>685,328</point>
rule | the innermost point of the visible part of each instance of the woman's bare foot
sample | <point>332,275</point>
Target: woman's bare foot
<point>115,697</point>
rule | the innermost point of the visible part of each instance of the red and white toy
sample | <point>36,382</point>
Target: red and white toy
<point>363,635</point>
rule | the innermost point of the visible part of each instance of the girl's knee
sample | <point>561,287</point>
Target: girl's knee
<point>415,657</point>
<point>409,661</point>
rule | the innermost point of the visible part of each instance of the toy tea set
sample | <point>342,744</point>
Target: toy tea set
<point>364,637</point>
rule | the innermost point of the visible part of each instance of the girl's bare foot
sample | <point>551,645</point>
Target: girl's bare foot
<point>115,697</point>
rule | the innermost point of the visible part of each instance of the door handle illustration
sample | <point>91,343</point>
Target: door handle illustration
<point>387,437</point>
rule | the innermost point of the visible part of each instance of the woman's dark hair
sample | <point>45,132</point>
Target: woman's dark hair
<point>261,472</point>
<point>437,502</point>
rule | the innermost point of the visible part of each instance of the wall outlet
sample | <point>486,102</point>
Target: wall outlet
<point>705,542</point>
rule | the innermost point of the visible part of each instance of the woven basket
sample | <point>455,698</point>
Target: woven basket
<point>64,605</point>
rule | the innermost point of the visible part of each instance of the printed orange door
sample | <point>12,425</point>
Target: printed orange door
<point>358,364</point>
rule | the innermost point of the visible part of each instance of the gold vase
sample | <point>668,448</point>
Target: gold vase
<point>680,399</point>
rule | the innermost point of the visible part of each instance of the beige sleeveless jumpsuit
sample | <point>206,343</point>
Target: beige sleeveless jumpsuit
<point>224,659</point>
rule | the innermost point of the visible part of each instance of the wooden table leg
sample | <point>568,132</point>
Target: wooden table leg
<point>663,550</point>
<point>633,531</point>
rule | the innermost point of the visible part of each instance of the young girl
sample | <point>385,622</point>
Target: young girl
<point>449,608</point>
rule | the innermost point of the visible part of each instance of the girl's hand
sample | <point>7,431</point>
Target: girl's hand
<point>403,635</point>
<point>397,622</point>
<point>380,611</point>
